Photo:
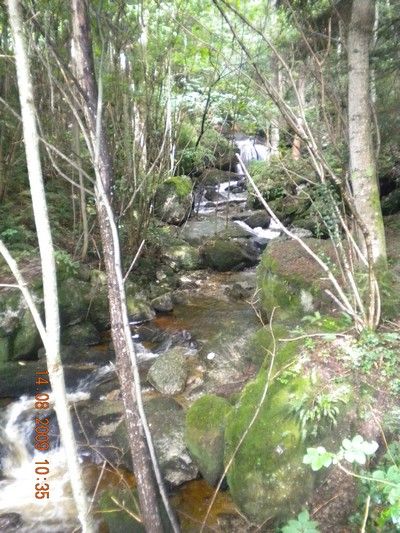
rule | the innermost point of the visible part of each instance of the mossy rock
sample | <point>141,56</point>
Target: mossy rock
<point>73,297</point>
<point>12,308</point>
<point>163,303</point>
<point>224,255</point>
<point>260,344</point>
<point>27,339</point>
<point>291,207</point>
<point>183,257</point>
<point>99,313</point>
<point>173,199</point>
<point>312,222</point>
<point>204,435</point>
<point>214,176</point>
<point>276,293</point>
<point>138,309</point>
<point>4,350</point>
<point>83,334</point>
<point>272,180</point>
<point>291,280</point>
<point>267,478</point>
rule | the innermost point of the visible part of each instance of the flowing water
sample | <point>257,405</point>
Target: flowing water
<point>208,316</point>
<point>17,494</point>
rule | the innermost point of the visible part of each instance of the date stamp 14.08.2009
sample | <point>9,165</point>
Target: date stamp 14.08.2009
<point>41,437</point>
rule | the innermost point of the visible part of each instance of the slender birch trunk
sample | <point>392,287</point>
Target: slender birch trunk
<point>121,335</point>
<point>275,131</point>
<point>362,158</point>
<point>296,147</point>
<point>52,335</point>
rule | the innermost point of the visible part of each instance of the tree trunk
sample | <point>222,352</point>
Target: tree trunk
<point>296,146</point>
<point>118,314</point>
<point>275,131</point>
<point>52,332</point>
<point>362,160</point>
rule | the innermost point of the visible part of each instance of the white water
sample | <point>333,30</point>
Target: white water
<point>17,490</point>
<point>251,150</point>
<point>272,232</point>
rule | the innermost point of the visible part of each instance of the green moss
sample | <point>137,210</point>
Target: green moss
<point>224,255</point>
<point>204,435</point>
<point>4,350</point>
<point>261,342</point>
<point>73,298</point>
<point>184,256</point>
<point>267,478</point>
<point>182,185</point>
<point>275,291</point>
<point>27,339</point>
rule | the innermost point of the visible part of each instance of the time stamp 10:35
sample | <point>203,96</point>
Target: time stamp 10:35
<point>41,437</point>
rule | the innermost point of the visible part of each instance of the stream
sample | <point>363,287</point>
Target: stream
<point>209,326</point>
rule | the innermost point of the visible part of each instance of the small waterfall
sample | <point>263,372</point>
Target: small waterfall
<point>251,150</point>
<point>234,191</point>
<point>272,232</point>
<point>17,488</point>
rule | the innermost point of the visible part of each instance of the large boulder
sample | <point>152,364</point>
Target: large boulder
<point>27,339</point>
<point>173,200</point>
<point>289,208</point>
<point>99,313</point>
<point>16,379</point>
<point>257,219</point>
<point>166,420</point>
<point>82,334</point>
<point>182,256</point>
<point>168,374</point>
<point>138,309</point>
<point>224,255</point>
<point>167,424</point>
<point>214,176</point>
<point>163,303</point>
<point>267,478</point>
<point>205,425</point>
<point>197,231</point>
<point>290,280</point>
<point>73,296</point>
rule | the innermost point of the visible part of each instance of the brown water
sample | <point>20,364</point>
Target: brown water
<point>215,323</point>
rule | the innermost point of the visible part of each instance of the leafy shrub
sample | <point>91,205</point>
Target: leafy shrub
<point>319,411</point>
<point>303,524</point>
<point>279,177</point>
<point>66,266</point>
<point>212,148</point>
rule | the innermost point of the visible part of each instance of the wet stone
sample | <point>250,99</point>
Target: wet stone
<point>169,373</point>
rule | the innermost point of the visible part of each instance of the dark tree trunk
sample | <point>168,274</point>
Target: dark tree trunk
<point>140,454</point>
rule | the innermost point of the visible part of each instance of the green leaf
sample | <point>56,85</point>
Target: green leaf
<point>318,458</point>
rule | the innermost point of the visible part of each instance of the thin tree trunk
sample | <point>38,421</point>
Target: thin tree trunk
<point>275,131</point>
<point>362,159</point>
<point>52,339</point>
<point>82,194</point>
<point>118,314</point>
<point>296,147</point>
